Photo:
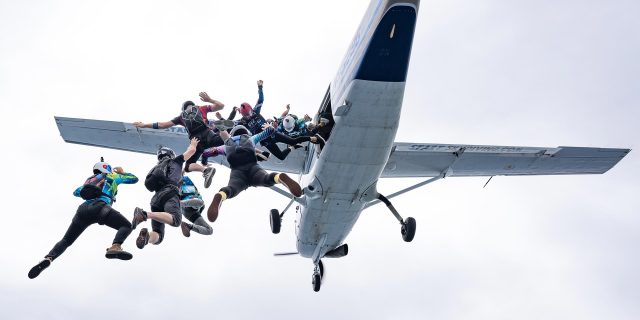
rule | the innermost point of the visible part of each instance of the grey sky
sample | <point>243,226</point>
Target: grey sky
<point>529,73</point>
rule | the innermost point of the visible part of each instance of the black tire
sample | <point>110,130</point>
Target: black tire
<point>321,266</point>
<point>316,281</point>
<point>274,220</point>
<point>408,229</point>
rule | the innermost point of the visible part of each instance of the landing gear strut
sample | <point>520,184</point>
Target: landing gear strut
<point>408,226</point>
<point>275,218</point>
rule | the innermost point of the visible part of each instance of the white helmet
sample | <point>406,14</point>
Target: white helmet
<point>288,123</point>
<point>101,167</point>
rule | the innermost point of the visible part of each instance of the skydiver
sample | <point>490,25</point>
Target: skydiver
<point>165,179</point>
<point>95,209</point>
<point>194,119</point>
<point>191,205</point>
<point>254,121</point>
<point>239,149</point>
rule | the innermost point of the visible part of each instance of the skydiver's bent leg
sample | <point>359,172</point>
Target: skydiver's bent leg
<point>199,225</point>
<point>238,181</point>
<point>116,220</point>
<point>275,150</point>
<point>261,178</point>
<point>281,137</point>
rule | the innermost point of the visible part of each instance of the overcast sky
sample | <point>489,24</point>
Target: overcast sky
<point>523,73</point>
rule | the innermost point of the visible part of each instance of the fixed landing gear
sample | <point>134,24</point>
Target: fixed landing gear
<point>408,226</point>
<point>318,273</point>
<point>275,218</point>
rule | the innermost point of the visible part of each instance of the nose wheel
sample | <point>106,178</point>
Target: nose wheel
<point>318,273</point>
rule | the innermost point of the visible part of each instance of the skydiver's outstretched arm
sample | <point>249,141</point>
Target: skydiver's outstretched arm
<point>155,125</point>
<point>286,112</point>
<point>216,105</point>
<point>191,150</point>
<point>258,106</point>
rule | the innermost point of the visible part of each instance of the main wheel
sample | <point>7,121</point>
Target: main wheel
<point>316,281</point>
<point>275,221</point>
<point>408,229</point>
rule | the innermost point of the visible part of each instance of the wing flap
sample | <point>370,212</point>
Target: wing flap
<point>430,160</point>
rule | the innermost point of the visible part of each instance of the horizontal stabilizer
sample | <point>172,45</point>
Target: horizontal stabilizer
<point>431,160</point>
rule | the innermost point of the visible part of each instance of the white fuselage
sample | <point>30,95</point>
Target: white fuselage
<point>365,100</point>
<point>349,166</point>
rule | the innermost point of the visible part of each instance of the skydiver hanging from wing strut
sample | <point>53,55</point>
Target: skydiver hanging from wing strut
<point>194,119</point>
<point>239,148</point>
<point>99,192</point>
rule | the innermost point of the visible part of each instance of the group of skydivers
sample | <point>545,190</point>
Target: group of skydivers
<point>174,192</point>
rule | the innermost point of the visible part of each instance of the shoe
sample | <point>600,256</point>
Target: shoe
<point>293,186</point>
<point>324,121</point>
<point>261,157</point>
<point>208,175</point>
<point>116,252</point>
<point>143,238</point>
<point>35,271</point>
<point>138,216</point>
<point>214,208</point>
<point>186,229</point>
<point>223,125</point>
<point>195,203</point>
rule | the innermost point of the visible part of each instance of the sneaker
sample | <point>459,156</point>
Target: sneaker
<point>293,186</point>
<point>143,238</point>
<point>35,271</point>
<point>324,121</point>
<point>214,208</point>
<point>116,252</point>
<point>194,203</point>
<point>208,175</point>
<point>138,216</point>
<point>223,125</point>
<point>261,156</point>
<point>186,229</point>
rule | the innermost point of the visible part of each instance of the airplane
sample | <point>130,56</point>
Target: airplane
<point>363,104</point>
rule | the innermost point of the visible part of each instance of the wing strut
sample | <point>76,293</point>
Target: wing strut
<point>405,190</point>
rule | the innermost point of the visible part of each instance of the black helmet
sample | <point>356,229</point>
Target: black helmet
<point>186,104</point>
<point>165,152</point>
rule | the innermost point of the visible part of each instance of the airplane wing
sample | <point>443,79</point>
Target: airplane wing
<point>431,160</point>
<point>124,136</point>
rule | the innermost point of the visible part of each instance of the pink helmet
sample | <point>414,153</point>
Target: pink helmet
<point>245,109</point>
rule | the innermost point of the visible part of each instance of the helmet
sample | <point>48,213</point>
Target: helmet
<point>165,152</point>
<point>187,104</point>
<point>288,123</point>
<point>238,130</point>
<point>101,167</point>
<point>245,109</point>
